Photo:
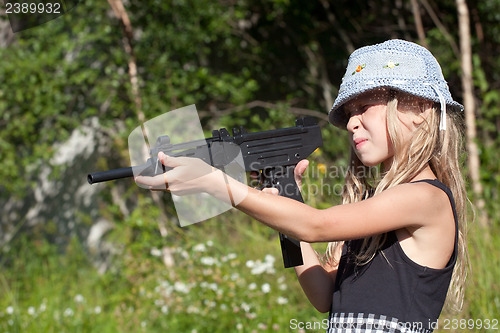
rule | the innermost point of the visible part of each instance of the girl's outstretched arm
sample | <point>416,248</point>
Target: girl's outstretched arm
<point>410,206</point>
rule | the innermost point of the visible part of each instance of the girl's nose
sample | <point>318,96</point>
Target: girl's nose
<point>353,123</point>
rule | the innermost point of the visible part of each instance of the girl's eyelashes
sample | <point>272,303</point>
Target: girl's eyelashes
<point>356,109</point>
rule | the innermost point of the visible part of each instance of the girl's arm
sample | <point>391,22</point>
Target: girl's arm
<point>317,280</point>
<point>404,206</point>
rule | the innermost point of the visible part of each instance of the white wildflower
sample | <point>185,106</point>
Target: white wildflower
<point>251,315</point>
<point>181,287</point>
<point>266,288</point>
<point>155,252</point>
<point>68,312</point>
<point>97,310</point>
<point>269,258</point>
<point>209,303</point>
<point>245,307</point>
<point>264,267</point>
<point>252,286</point>
<point>79,299</point>
<point>31,311</point>
<point>262,326</point>
<point>259,268</point>
<point>282,300</point>
<point>200,248</point>
<point>209,261</point>
<point>192,309</point>
<point>281,283</point>
<point>10,310</point>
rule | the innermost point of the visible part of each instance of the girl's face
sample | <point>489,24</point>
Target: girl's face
<point>367,127</point>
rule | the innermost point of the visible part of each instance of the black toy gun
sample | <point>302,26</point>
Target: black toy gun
<point>274,154</point>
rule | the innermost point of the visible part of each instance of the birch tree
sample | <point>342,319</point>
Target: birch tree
<point>470,108</point>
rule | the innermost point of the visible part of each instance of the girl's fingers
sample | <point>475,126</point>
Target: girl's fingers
<point>169,160</point>
<point>158,180</point>
<point>299,171</point>
<point>270,190</point>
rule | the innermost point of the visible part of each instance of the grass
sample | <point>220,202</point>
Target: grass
<point>227,283</point>
<point>227,276</point>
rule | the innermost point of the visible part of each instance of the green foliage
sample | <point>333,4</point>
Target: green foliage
<point>52,81</point>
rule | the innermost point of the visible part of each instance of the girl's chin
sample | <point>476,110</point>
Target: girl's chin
<point>367,164</point>
<point>370,162</point>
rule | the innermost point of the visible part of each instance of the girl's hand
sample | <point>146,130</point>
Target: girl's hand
<point>188,176</point>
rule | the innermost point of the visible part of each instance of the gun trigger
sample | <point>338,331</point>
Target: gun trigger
<point>156,167</point>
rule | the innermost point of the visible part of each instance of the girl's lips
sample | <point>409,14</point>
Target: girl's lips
<point>359,142</point>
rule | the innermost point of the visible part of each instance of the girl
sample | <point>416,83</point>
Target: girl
<point>396,243</point>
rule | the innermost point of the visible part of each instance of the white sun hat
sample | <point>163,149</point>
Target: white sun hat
<point>395,64</point>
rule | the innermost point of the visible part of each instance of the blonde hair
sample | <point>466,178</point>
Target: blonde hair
<point>441,150</point>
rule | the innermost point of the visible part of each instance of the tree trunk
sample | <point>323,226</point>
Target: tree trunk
<point>128,36</point>
<point>418,23</point>
<point>470,109</point>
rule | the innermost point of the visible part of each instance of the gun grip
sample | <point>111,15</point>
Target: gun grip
<point>283,179</point>
<point>290,249</point>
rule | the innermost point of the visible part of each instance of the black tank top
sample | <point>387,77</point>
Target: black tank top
<point>391,293</point>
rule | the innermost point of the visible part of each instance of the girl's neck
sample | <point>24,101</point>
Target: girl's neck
<point>426,173</point>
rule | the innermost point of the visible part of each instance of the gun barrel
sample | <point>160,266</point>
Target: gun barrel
<point>104,176</point>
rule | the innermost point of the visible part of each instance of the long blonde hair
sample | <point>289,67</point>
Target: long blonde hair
<point>442,151</point>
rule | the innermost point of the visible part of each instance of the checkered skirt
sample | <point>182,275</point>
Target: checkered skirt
<point>370,323</point>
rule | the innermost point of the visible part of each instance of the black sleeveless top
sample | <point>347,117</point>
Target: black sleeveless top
<point>391,293</point>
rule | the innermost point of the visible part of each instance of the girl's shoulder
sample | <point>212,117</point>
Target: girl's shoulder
<point>416,205</point>
<point>426,196</point>
<point>431,242</point>
<point>428,200</point>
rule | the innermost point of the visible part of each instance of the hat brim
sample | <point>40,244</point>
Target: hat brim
<point>339,119</point>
